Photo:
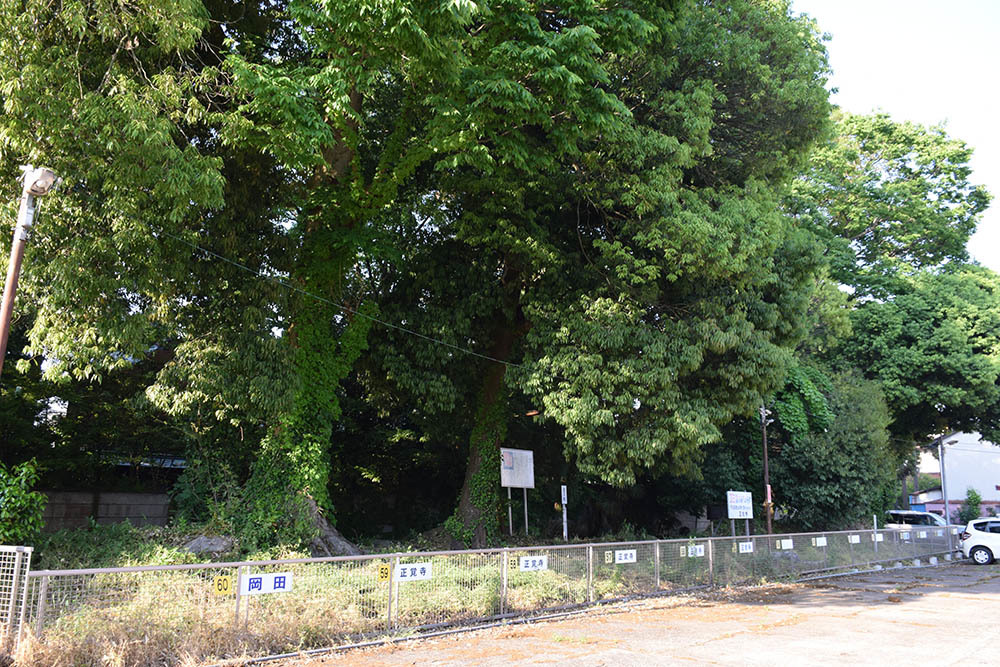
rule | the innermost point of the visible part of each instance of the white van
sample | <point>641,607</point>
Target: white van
<point>907,518</point>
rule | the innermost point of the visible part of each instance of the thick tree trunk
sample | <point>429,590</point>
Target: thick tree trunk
<point>475,522</point>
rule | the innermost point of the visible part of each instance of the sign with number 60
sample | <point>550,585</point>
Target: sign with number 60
<point>222,585</point>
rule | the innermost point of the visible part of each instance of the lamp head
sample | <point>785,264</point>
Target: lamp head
<point>39,181</point>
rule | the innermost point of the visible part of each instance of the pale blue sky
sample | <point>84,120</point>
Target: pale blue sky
<point>926,61</point>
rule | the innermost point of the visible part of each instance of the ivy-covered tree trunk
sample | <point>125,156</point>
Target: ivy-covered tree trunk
<point>475,522</point>
<point>290,477</point>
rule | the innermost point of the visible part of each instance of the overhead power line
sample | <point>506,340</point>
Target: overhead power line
<point>346,309</point>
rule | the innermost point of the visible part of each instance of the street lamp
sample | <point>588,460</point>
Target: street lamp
<point>37,183</point>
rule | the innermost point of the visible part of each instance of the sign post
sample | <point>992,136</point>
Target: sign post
<point>517,470</point>
<point>565,528</point>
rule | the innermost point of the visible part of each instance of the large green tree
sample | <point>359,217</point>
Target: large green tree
<point>888,198</point>
<point>636,285</point>
<point>934,349</point>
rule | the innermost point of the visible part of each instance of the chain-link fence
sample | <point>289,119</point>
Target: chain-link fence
<point>257,608</point>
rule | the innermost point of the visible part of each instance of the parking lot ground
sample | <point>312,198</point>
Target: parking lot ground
<point>944,615</point>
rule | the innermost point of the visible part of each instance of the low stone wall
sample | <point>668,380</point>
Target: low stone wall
<point>72,509</point>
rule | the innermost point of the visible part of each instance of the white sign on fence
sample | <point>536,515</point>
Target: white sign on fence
<point>517,468</point>
<point>271,582</point>
<point>534,563</point>
<point>877,537</point>
<point>922,534</point>
<point>413,571</point>
<point>785,544</point>
<point>819,541</point>
<point>625,556</point>
<point>694,551</point>
<point>854,539</point>
<point>905,536</point>
<point>740,504</point>
<point>746,547</point>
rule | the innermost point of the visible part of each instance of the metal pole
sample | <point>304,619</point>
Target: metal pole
<point>510,513</point>
<point>40,615</point>
<point>392,581</point>
<point>525,489</point>
<point>25,218</point>
<point>590,573</point>
<point>767,476</point>
<point>944,484</point>
<point>656,562</point>
<point>239,587</point>
<point>565,526</point>
<point>505,557</point>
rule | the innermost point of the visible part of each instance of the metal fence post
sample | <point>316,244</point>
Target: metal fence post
<point>504,557</point>
<point>656,563</point>
<point>711,565</point>
<point>392,581</point>
<point>239,587</point>
<point>43,593</point>
<point>590,573</point>
<point>394,618</point>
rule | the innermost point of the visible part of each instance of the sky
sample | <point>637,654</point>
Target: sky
<point>927,61</point>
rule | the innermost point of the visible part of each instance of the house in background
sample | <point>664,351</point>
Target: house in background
<point>969,461</point>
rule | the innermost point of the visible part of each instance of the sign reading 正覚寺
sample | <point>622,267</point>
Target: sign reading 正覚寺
<point>740,504</point>
<point>517,468</point>
<point>271,582</point>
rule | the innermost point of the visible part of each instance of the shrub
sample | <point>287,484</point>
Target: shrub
<point>970,507</point>
<point>20,507</point>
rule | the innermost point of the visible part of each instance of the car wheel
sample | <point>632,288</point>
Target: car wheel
<point>981,555</point>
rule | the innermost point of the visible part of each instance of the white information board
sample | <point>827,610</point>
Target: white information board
<point>534,563</point>
<point>746,547</point>
<point>740,504</point>
<point>413,571</point>
<point>517,468</point>
<point>625,556</point>
<point>271,582</point>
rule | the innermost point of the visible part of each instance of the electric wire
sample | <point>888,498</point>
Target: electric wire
<point>346,309</point>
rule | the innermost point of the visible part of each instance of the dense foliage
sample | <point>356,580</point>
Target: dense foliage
<point>337,254</point>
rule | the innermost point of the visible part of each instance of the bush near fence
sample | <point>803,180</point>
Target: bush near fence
<point>171,614</point>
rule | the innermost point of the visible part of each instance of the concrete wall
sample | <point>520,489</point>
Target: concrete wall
<point>72,509</point>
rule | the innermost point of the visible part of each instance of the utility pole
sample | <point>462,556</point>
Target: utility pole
<point>767,477</point>
<point>37,182</point>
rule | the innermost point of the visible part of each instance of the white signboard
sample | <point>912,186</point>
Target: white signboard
<point>625,556</point>
<point>854,539</point>
<point>413,571</point>
<point>272,582</point>
<point>534,563</point>
<point>877,537</point>
<point>905,536</point>
<point>746,547</point>
<point>695,551</point>
<point>819,541</point>
<point>785,544</point>
<point>740,504</point>
<point>517,468</point>
<point>922,534</point>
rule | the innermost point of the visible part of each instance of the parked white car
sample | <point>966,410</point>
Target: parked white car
<point>906,518</point>
<point>981,540</point>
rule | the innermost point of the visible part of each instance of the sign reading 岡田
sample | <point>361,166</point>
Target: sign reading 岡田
<point>271,582</point>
